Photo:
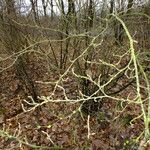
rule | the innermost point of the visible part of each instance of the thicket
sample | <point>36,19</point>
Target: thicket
<point>103,48</point>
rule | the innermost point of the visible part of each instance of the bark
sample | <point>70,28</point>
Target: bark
<point>44,5</point>
<point>62,8</point>
<point>91,14</point>
<point>112,4</point>
<point>34,10</point>
<point>52,10</point>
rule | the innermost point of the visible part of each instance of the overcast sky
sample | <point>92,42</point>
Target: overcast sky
<point>27,5</point>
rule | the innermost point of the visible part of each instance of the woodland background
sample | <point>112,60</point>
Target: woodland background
<point>75,74</point>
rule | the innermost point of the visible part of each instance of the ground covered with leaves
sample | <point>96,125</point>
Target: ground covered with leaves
<point>61,125</point>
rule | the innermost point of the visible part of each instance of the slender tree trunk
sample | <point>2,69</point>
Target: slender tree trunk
<point>112,4</point>
<point>44,5</point>
<point>91,14</point>
<point>52,10</point>
<point>34,10</point>
<point>62,8</point>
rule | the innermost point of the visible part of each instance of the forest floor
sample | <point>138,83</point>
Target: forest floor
<point>60,124</point>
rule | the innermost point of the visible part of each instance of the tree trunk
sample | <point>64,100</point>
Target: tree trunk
<point>52,10</point>
<point>34,10</point>
<point>44,8</point>
<point>91,14</point>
